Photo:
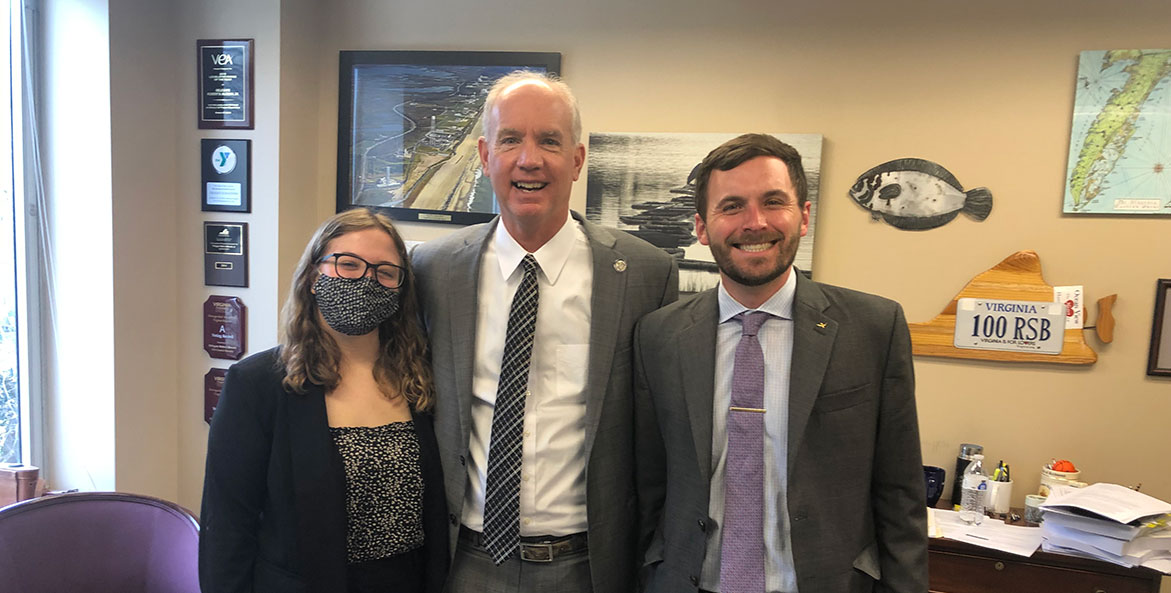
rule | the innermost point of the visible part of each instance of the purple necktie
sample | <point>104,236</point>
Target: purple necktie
<point>742,549</point>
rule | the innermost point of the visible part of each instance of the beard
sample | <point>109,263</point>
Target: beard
<point>756,275</point>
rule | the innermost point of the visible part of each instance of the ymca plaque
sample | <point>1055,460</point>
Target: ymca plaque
<point>225,183</point>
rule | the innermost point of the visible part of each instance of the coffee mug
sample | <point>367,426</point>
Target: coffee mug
<point>933,479</point>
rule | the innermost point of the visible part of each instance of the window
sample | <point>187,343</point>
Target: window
<point>17,301</point>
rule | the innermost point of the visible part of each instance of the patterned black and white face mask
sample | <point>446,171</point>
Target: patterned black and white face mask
<point>354,307</point>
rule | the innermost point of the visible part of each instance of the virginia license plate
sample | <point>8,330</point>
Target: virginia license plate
<point>1018,326</point>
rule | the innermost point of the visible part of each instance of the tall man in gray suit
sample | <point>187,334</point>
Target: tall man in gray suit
<point>530,319</point>
<point>777,438</point>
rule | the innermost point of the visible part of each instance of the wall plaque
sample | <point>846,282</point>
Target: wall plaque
<point>226,184</point>
<point>225,253</point>
<point>213,384</point>
<point>225,83</point>
<point>223,327</point>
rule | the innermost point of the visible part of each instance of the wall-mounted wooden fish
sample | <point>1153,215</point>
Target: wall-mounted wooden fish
<point>916,195</point>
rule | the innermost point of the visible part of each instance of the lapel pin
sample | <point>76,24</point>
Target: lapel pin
<point>821,325</point>
<point>619,265</point>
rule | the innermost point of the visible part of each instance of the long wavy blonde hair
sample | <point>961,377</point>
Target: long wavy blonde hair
<point>310,355</point>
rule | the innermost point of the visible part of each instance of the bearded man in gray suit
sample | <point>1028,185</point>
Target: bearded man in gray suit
<point>776,434</point>
<point>534,410</point>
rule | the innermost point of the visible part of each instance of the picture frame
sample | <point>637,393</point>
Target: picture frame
<point>643,183</point>
<point>408,126</point>
<point>1159,360</point>
<point>224,68</point>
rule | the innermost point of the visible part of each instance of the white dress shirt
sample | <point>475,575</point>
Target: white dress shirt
<point>776,341</point>
<point>552,487</point>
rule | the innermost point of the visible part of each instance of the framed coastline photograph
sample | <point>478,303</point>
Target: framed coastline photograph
<point>1159,361</point>
<point>644,184</point>
<point>408,127</point>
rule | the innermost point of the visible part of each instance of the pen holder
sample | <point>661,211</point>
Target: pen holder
<point>999,495</point>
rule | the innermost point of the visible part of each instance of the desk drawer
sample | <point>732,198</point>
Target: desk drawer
<point>962,573</point>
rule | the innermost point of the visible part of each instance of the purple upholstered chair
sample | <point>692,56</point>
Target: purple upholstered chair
<point>98,542</point>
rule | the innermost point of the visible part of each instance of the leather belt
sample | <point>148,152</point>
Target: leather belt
<point>540,548</point>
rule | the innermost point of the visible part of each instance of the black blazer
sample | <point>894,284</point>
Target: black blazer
<point>274,517</point>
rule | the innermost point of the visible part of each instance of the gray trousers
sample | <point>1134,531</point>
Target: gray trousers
<point>472,571</point>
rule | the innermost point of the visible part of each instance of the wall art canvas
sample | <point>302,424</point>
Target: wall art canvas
<point>408,126</point>
<point>1120,143</point>
<point>639,183</point>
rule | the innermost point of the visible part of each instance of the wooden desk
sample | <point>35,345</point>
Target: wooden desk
<point>958,567</point>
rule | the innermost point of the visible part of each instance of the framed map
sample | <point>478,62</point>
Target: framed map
<point>408,126</point>
<point>642,184</point>
<point>1120,143</point>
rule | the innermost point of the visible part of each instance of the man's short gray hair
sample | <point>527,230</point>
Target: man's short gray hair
<point>516,76</point>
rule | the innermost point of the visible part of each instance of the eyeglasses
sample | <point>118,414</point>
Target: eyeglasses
<point>352,267</point>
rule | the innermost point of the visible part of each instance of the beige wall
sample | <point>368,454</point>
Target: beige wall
<point>224,19</point>
<point>301,206</point>
<point>984,89</point>
<point>145,206</point>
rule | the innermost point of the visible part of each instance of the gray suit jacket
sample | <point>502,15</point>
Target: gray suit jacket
<point>448,271</point>
<point>856,494</point>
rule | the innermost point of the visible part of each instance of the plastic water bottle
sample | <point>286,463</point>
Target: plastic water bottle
<point>973,495</point>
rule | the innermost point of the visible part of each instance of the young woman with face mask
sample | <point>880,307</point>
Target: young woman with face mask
<point>322,469</point>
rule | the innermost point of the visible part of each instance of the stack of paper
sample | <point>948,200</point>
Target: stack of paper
<point>994,534</point>
<point>1108,522</point>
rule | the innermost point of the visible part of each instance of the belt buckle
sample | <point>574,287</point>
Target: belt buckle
<point>536,552</point>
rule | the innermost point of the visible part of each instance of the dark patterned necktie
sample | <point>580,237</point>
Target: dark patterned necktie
<point>502,491</point>
<point>742,549</point>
